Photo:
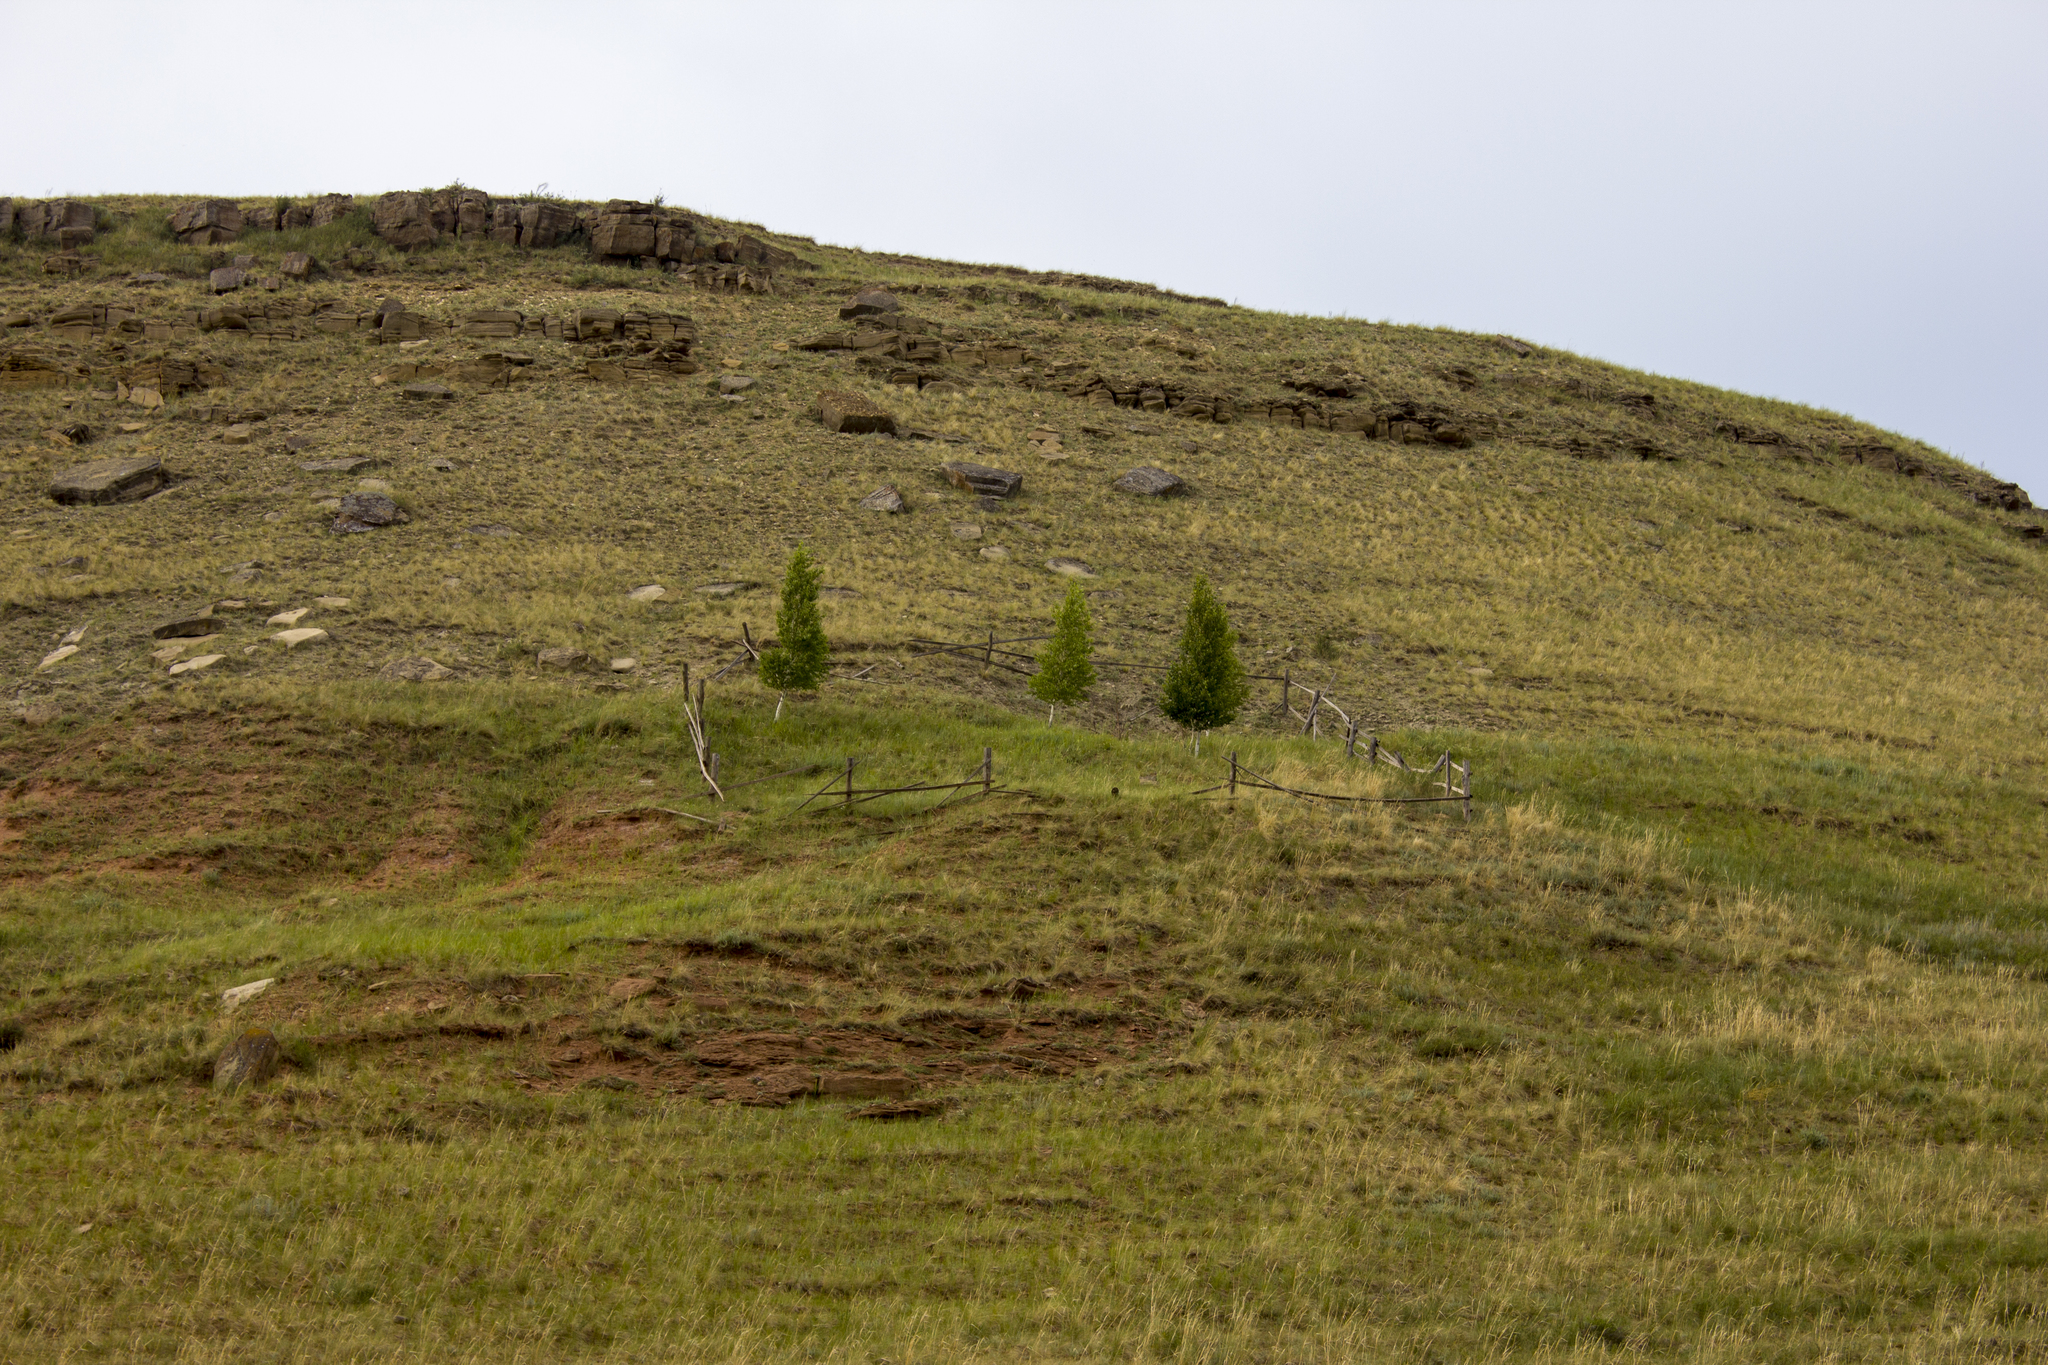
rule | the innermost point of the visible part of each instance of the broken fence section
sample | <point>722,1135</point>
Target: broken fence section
<point>1457,783</point>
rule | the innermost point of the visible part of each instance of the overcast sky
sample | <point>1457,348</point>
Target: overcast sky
<point>1839,204</point>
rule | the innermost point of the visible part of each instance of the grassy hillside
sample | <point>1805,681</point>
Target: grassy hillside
<point>1716,1032</point>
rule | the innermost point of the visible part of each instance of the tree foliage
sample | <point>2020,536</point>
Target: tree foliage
<point>1206,684</point>
<point>802,653</point>
<point>1064,674</point>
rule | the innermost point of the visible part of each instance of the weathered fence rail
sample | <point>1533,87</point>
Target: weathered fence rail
<point>1457,785</point>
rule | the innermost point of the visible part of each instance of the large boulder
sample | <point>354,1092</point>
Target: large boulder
<point>869,302</point>
<point>66,222</point>
<point>1149,482</point>
<point>108,481</point>
<point>207,222</point>
<point>979,478</point>
<point>297,265</point>
<point>404,219</point>
<point>851,413</point>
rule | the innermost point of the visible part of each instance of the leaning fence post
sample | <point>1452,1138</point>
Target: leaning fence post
<point>849,779</point>
<point>714,770</point>
<point>1351,740</point>
<point>988,763</point>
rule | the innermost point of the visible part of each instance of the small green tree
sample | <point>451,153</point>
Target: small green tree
<point>802,653</point>
<point>1064,674</point>
<point>1206,684</point>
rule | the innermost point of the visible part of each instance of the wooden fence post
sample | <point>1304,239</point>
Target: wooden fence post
<point>1468,791</point>
<point>989,656</point>
<point>849,779</point>
<point>1233,772</point>
<point>1308,722</point>
<point>988,760</point>
<point>714,770</point>
<point>1351,740</point>
<point>1372,756</point>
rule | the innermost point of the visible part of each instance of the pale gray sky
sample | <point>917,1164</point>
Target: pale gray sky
<point>1839,204</point>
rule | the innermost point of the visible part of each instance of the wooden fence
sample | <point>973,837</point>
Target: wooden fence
<point>1457,785</point>
<point>841,787</point>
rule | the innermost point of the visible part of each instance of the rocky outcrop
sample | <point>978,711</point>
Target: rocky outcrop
<point>404,219</point>
<point>66,222</point>
<point>207,222</point>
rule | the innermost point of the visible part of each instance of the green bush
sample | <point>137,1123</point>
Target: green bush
<point>1064,673</point>
<point>802,653</point>
<point>1206,684</point>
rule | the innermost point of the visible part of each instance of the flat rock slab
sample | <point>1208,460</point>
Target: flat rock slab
<point>366,511</point>
<point>344,466</point>
<point>979,478</point>
<point>563,658</point>
<point>416,670</point>
<point>57,656</point>
<point>653,592</point>
<point>630,987</point>
<point>288,618</point>
<point>723,589</point>
<point>248,990</point>
<point>1072,568</point>
<point>251,1059</point>
<point>189,624</point>
<point>330,603</point>
<point>502,532</point>
<point>195,664</point>
<point>424,392</point>
<point>304,635</point>
<point>853,414</point>
<point>966,530</point>
<point>884,499</point>
<point>108,481</point>
<point>1149,482</point>
<point>899,1109</point>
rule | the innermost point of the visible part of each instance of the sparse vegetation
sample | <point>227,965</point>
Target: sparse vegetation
<point>1064,674</point>
<point>802,654</point>
<point>1717,1034</point>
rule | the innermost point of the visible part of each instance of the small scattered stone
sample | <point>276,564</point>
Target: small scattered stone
<point>193,665</point>
<point>563,658</point>
<point>74,637</point>
<point>363,511</point>
<point>1072,568</point>
<point>416,670</point>
<point>176,650</point>
<point>142,396</point>
<point>445,466</point>
<point>966,530</point>
<point>224,280</point>
<point>979,478</point>
<point>630,987</point>
<point>240,434</point>
<point>304,635</point>
<point>884,499</point>
<point>347,465</point>
<point>850,413</point>
<point>248,990</point>
<point>624,665</point>
<point>653,592</point>
<point>250,1060</point>
<point>995,552</point>
<point>730,384</point>
<point>723,589</point>
<point>503,532</point>
<point>288,618</point>
<point>330,603</point>
<point>1147,481</point>
<point>57,656</point>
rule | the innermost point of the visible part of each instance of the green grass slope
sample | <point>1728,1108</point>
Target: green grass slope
<point>1716,1032</point>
